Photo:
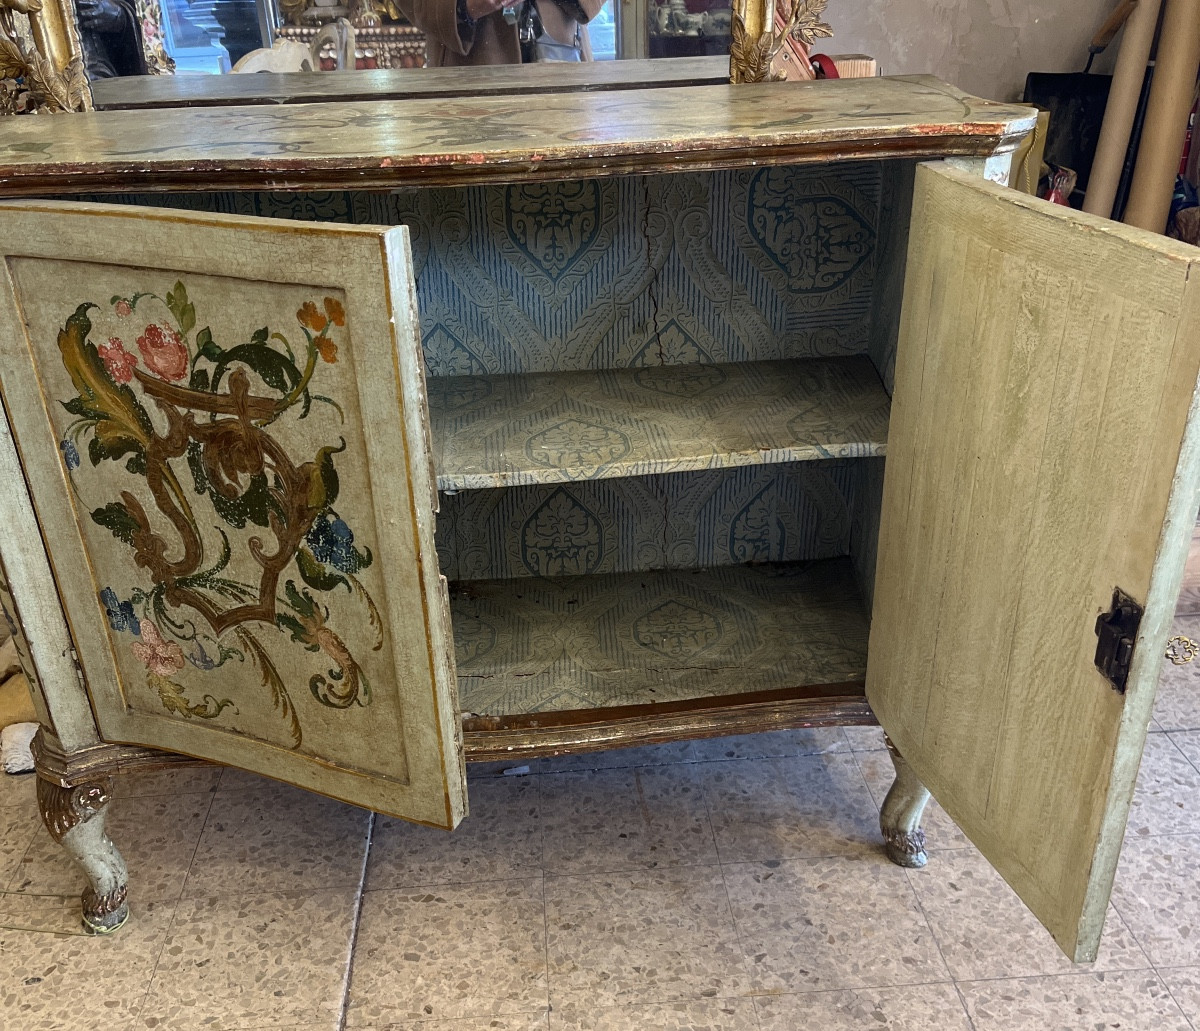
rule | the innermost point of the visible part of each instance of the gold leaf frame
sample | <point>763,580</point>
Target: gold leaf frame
<point>41,58</point>
<point>42,66</point>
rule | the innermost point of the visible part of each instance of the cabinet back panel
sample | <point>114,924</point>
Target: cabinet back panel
<point>740,265</point>
<point>679,521</point>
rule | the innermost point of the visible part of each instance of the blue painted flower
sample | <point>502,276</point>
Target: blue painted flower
<point>120,614</point>
<point>70,454</point>
<point>332,542</point>
<point>200,658</point>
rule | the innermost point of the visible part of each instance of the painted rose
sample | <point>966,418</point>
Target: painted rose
<point>163,352</point>
<point>161,657</point>
<point>119,362</point>
<point>123,308</point>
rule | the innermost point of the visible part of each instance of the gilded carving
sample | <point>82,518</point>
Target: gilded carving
<point>30,80</point>
<point>756,39</point>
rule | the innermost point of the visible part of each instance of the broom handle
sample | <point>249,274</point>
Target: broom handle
<point>1104,35</point>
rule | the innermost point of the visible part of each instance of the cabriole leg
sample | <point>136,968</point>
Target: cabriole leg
<point>900,817</point>
<point>74,817</point>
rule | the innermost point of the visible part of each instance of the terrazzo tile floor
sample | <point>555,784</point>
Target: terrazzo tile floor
<point>725,885</point>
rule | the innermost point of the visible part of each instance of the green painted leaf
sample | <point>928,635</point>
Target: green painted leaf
<point>183,310</point>
<point>324,485</point>
<point>253,506</point>
<point>121,423</point>
<point>316,575</point>
<point>276,370</point>
<point>100,448</point>
<point>116,518</point>
<point>207,347</point>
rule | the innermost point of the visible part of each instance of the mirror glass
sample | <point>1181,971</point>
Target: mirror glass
<point>127,38</point>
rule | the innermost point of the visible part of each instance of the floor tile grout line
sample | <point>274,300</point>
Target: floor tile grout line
<point>38,823</point>
<point>178,900</point>
<point>1082,970</point>
<point>737,931</point>
<point>916,895</point>
<point>550,1021</point>
<point>355,920</point>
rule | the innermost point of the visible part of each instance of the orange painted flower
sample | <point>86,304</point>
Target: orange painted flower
<point>119,362</point>
<point>161,657</point>
<point>163,352</point>
<point>326,348</point>
<point>311,318</point>
<point>335,311</point>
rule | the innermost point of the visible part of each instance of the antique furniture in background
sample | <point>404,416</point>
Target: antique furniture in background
<point>632,393</point>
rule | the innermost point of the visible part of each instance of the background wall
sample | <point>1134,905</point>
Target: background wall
<point>986,47</point>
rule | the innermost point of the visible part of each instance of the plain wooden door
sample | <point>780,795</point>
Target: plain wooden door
<point>1042,452</point>
<point>223,426</point>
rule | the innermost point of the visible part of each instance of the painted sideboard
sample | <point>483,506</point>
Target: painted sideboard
<point>366,439</point>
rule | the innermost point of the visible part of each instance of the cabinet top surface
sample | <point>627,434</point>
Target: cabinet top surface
<point>439,141</point>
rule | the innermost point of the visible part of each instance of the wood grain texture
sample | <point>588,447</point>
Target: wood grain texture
<point>237,665</point>
<point>1047,362</point>
<point>143,92</point>
<point>565,426</point>
<point>389,144</point>
<point>588,730</point>
<point>527,645</point>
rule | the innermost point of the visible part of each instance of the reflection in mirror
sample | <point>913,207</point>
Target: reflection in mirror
<point>571,42</point>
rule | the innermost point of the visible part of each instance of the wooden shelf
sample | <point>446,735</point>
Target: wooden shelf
<point>533,645</point>
<point>556,427</point>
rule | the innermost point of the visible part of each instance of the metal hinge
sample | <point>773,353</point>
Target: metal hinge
<point>1117,630</point>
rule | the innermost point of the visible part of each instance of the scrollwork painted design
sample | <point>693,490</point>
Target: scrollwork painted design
<point>175,407</point>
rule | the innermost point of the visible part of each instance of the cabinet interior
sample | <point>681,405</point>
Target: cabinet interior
<point>659,444</point>
<point>659,409</point>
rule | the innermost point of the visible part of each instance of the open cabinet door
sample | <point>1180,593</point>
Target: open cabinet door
<point>1043,453</point>
<point>223,427</point>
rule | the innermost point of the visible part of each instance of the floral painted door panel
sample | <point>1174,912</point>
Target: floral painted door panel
<point>232,473</point>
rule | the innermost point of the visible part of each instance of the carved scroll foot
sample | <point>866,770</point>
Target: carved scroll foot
<point>900,817</point>
<point>75,819</point>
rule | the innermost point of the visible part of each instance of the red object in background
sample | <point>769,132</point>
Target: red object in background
<point>824,66</point>
<point>1060,185</point>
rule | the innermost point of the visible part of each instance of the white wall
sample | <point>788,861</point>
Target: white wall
<point>985,47</point>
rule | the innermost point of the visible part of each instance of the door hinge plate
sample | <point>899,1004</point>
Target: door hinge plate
<point>1117,630</point>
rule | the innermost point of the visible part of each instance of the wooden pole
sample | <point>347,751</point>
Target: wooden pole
<point>1121,107</point>
<point>1166,116</point>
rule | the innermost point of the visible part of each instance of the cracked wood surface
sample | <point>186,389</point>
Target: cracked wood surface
<point>388,144</point>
